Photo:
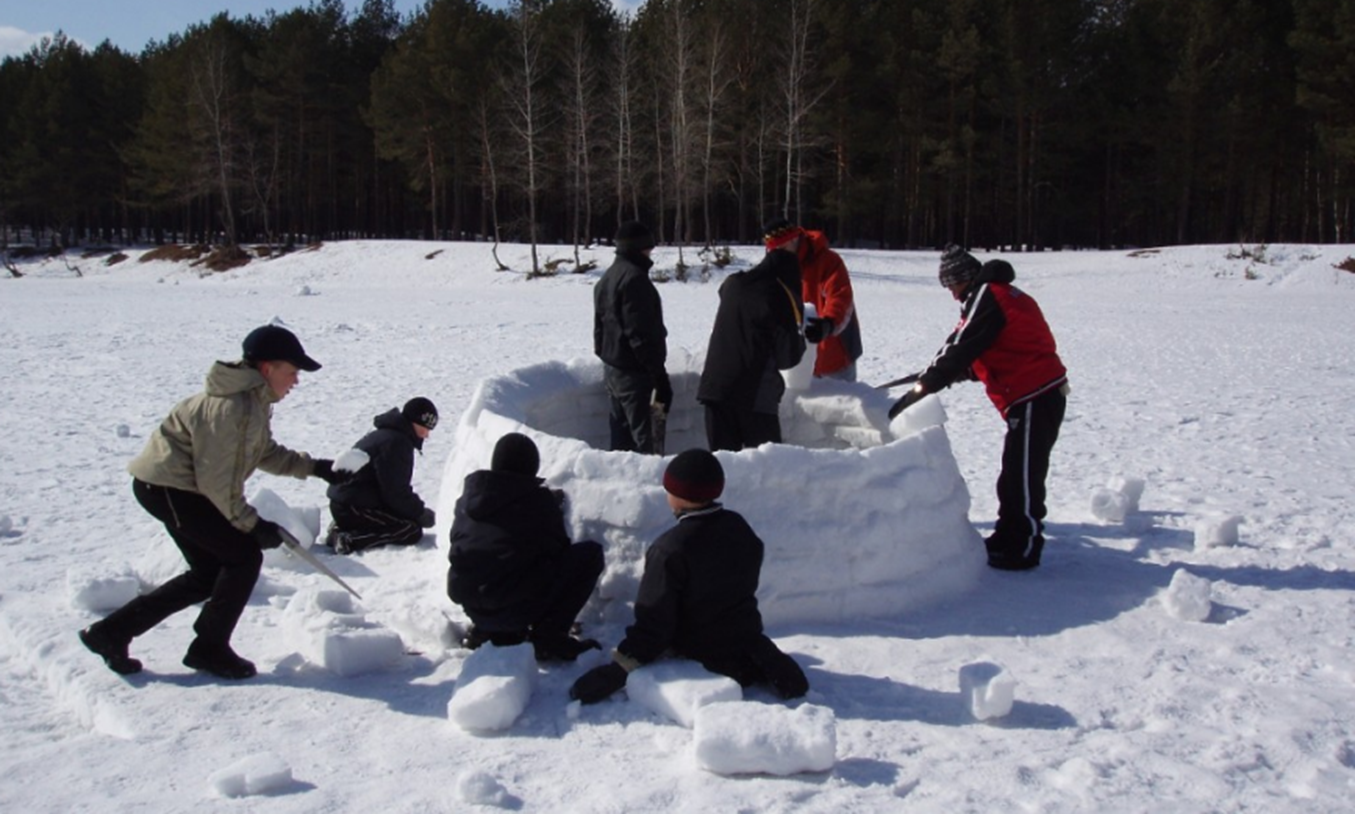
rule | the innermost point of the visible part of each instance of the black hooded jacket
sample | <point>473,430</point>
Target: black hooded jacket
<point>507,534</point>
<point>698,594</point>
<point>628,330</point>
<point>756,333</point>
<point>384,483</point>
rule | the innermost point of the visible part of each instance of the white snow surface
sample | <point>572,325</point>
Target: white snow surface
<point>1227,397</point>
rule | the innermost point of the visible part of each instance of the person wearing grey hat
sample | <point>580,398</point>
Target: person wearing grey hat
<point>191,477</point>
<point>378,505</point>
<point>698,594</point>
<point>1003,341</point>
<point>631,340</point>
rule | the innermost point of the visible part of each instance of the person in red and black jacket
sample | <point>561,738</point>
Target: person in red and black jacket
<point>1003,341</point>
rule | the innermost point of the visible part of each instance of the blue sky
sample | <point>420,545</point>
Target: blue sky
<point>131,24</point>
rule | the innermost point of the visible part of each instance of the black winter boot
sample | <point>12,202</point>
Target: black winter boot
<point>219,660</point>
<point>113,651</point>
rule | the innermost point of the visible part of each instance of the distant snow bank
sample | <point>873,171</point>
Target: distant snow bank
<point>861,519</point>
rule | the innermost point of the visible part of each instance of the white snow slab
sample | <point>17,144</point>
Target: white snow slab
<point>677,688</point>
<point>1188,597</point>
<point>257,774</point>
<point>100,592</point>
<point>988,690</point>
<point>494,687</point>
<point>302,523</point>
<point>328,630</point>
<point>351,460</point>
<point>743,737</point>
<point>879,524</point>
<point>1110,505</point>
<point>1217,531</point>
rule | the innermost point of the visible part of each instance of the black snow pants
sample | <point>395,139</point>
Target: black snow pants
<point>1032,429</point>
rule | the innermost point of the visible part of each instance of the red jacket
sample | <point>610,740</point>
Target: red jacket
<point>1002,340</point>
<point>824,282</point>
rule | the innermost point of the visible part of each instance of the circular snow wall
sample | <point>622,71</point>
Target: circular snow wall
<point>861,518</point>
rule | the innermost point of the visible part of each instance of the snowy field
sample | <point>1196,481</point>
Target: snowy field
<point>1187,648</point>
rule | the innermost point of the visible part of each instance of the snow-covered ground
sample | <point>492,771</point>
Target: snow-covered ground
<point>1221,384</point>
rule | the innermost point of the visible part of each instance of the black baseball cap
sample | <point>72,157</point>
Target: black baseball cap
<point>274,343</point>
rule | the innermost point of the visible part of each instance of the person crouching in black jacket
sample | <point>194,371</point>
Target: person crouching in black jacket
<point>698,595</point>
<point>378,505</point>
<point>513,569</point>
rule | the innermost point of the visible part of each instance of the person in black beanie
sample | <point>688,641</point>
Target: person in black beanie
<point>756,334</point>
<point>631,340</point>
<point>698,595</point>
<point>378,505</point>
<point>1003,341</point>
<point>513,569</point>
<point>191,477</point>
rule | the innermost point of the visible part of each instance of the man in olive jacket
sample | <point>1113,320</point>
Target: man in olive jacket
<point>191,477</point>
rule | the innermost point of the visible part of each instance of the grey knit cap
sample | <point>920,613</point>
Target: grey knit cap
<point>958,266</point>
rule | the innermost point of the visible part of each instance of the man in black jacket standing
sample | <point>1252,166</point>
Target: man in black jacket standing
<point>698,595</point>
<point>756,335</point>
<point>630,339</point>
<point>379,506</point>
<point>513,569</point>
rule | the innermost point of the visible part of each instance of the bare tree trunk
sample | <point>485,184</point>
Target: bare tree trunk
<point>212,96</point>
<point>491,174</point>
<point>716,82</point>
<point>526,117</point>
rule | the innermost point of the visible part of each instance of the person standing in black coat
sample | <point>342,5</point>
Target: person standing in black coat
<point>631,340</point>
<point>698,595</point>
<point>378,505</point>
<point>513,569</point>
<point>756,335</point>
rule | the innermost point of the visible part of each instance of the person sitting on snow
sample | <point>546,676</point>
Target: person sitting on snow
<point>1003,341</point>
<point>379,506</point>
<point>698,595</point>
<point>513,569</point>
<point>191,477</point>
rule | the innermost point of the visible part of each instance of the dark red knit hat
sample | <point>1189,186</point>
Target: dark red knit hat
<point>695,475</point>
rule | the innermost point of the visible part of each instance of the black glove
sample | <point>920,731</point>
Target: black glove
<point>909,399</point>
<point>817,329</point>
<point>428,519</point>
<point>324,469</point>
<point>267,534</point>
<point>663,390</point>
<point>559,495</point>
<point>598,683</point>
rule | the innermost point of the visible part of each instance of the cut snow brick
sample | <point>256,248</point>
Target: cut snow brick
<point>1188,597</point>
<point>494,687</point>
<point>100,593</point>
<point>257,774</point>
<point>987,690</point>
<point>326,628</point>
<point>743,737</point>
<point>677,688</point>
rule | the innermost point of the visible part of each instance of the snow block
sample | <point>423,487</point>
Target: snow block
<point>987,690</point>
<point>351,460</point>
<point>1217,531</point>
<point>742,737</point>
<point>494,687</point>
<point>101,593</point>
<point>326,628</point>
<point>257,774</point>
<point>677,688</point>
<point>860,518</point>
<point>1109,505</point>
<point>480,788</point>
<point>1188,597</point>
<point>303,523</point>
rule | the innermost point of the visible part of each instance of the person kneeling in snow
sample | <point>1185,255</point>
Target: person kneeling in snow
<point>697,597</point>
<point>1004,341</point>
<point>191,477</point>
<point>513,569</point>
<point>378,506</point>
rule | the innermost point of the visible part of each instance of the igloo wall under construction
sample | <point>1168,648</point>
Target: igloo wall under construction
<point>861,518</point>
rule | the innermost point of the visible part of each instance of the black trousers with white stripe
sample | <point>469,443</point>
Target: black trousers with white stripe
<point>370,528</point>
<point>1032,429</point>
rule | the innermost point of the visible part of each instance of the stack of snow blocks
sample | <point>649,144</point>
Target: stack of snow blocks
<point>861,517</point>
